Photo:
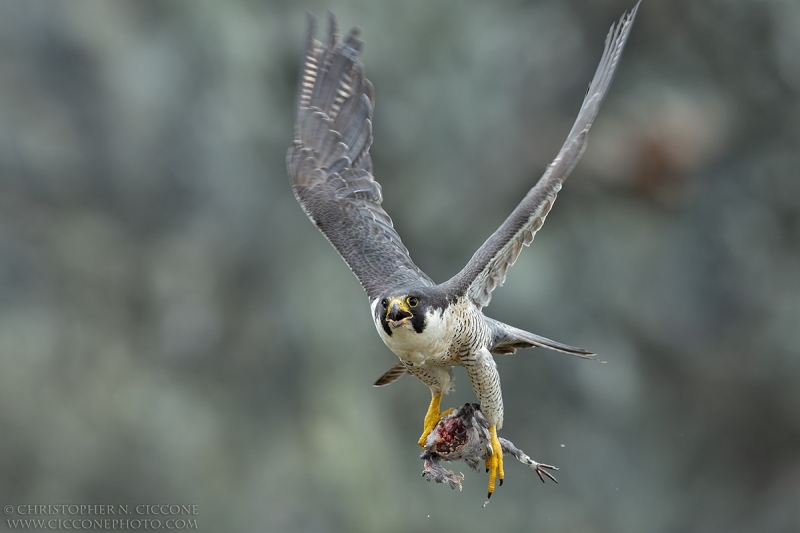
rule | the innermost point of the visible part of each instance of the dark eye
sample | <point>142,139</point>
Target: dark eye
<point>385,303</point>
<point>412,301</point>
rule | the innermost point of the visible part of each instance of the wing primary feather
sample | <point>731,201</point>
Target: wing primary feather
<point>308,70</point>
<point>338,83</point>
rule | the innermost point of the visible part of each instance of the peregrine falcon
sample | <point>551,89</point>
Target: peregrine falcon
<point>431,327</point>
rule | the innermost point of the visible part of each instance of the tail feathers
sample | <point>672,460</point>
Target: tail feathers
<point>391,375</point>
<point>508,339</point>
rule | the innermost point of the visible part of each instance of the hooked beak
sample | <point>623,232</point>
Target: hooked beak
<point>398,312</point>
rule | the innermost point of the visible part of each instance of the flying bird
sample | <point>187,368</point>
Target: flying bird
<point>431,327</point>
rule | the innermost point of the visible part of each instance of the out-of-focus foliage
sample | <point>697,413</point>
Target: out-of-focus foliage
<point>174,330</point>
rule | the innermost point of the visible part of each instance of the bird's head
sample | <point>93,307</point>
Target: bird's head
<point>411,308</point>
<point>404,310</point>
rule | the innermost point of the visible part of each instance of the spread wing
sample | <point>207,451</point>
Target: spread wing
<point>330,167</point>
<point>488,266</point>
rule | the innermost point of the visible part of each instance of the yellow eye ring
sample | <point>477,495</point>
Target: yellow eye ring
<point>412,301</point>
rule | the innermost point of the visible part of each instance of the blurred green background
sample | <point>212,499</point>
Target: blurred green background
<point>174,330</point>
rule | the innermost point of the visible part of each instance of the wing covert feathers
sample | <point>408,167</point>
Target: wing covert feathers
<point>330,167</point>
<point>488,267</point>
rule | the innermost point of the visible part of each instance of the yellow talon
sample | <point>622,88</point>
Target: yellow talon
<point>494,463</point>
<point>432,418</point>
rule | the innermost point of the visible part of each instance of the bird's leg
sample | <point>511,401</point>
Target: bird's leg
<point>432,418</point>
<point>494,462</point>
